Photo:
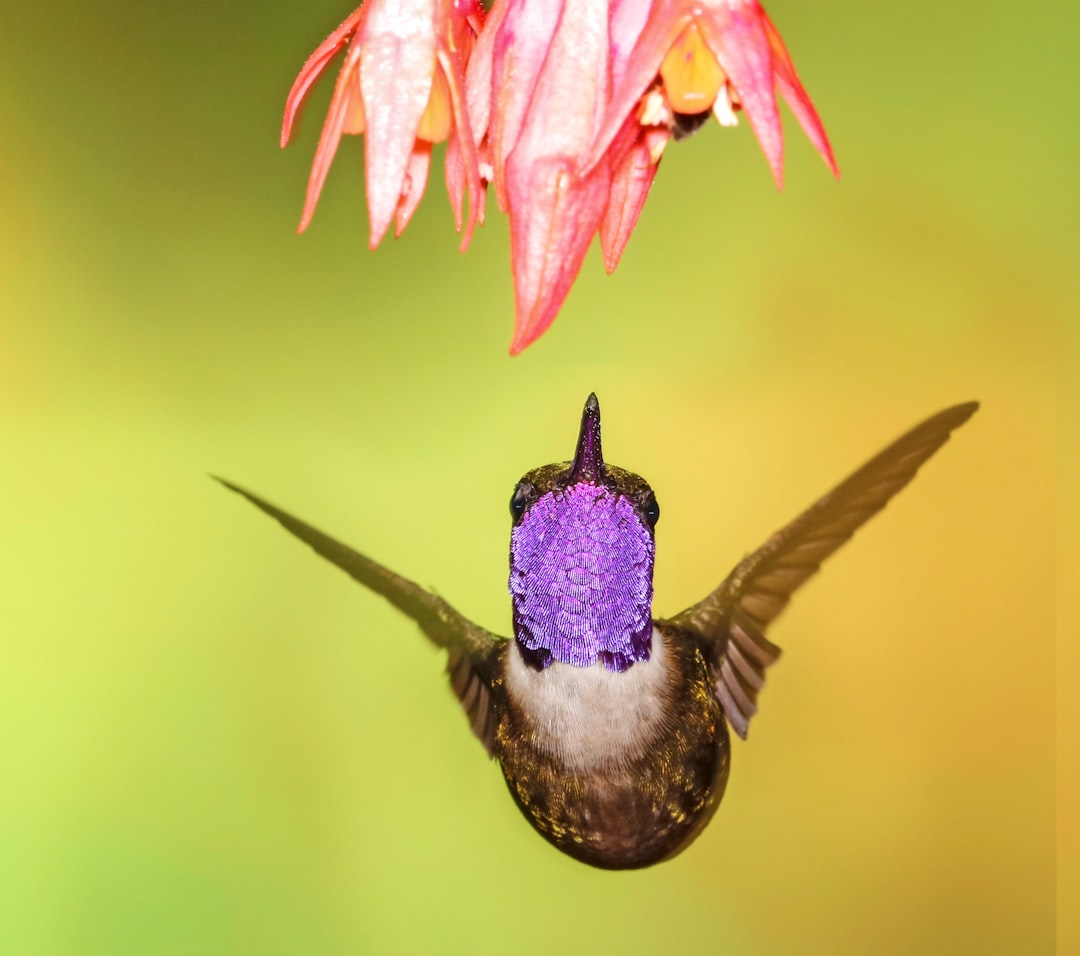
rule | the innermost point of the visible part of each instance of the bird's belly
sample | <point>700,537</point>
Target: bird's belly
<point>590,717</point>
<point>619,770</point>
<point>623,822</point>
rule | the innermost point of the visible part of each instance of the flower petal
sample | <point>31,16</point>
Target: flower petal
<point>554,211</point>
<point>665,23</point>
<point>628,19</point>
<point>413,186</point>
<point>553,215</point>
<point>522,46</point>
<point>479,89</point>
<point>462,162</point>
<point>462,177</point>
<point>631,181</point>
<point>345,90</point>
<point>735,32</point>
<point>313,68</point>
<point>398,44</point>
<point>796,97</point>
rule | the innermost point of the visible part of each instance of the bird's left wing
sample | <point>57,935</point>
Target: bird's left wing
<point>473,651</point>
<point>734,617</point>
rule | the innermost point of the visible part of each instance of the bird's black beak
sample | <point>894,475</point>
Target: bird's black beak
<point>588,464</point>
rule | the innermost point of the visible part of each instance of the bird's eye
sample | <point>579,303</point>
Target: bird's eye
<point>524,494</point>
<point>652,511</point>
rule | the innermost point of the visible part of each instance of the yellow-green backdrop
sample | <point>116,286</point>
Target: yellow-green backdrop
<point>213,742</point>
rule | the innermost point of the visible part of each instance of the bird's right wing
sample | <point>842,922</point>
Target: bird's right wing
<point>735,617</point>
<point>472,649</point>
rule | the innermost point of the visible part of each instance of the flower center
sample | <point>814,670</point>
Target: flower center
<point>436,124</point>
<point>438,120</point>
<point>691,74</point>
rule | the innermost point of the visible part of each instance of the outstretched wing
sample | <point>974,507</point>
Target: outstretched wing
<point>472,649</point>
<point>737,614</point>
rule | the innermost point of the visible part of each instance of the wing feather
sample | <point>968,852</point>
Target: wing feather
<point>737,614</point>
<point>473,650</point>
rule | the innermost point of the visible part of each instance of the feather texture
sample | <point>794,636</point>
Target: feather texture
<point>735,616</point>
<point>473,650</point>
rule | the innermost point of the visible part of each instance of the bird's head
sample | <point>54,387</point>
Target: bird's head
<point>581,559</point>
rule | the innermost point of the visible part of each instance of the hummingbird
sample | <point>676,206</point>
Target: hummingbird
<point>611,726</point>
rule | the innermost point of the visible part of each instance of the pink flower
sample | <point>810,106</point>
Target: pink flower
<point>544,71</point>
<point>402,84</point>
<point>564,106</point>
<point>635,154</point>
<point>694,58</point>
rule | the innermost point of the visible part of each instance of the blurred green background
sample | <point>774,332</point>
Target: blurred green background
<point>213,742</point>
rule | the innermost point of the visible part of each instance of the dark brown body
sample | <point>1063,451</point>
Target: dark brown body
<point>641,803</point>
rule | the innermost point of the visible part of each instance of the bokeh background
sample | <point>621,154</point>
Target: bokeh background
<point>213,742</point>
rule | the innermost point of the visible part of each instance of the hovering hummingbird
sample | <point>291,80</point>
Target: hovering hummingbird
<point>611,726</point>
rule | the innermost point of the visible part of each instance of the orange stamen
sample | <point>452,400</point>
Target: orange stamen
<point>692,76</point>
<point>354,112</point>
<point>438,119</point>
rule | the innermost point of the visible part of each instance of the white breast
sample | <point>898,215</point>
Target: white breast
<point>590,716</point>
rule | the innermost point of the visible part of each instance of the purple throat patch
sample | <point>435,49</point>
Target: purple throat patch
<point>581,568</point>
